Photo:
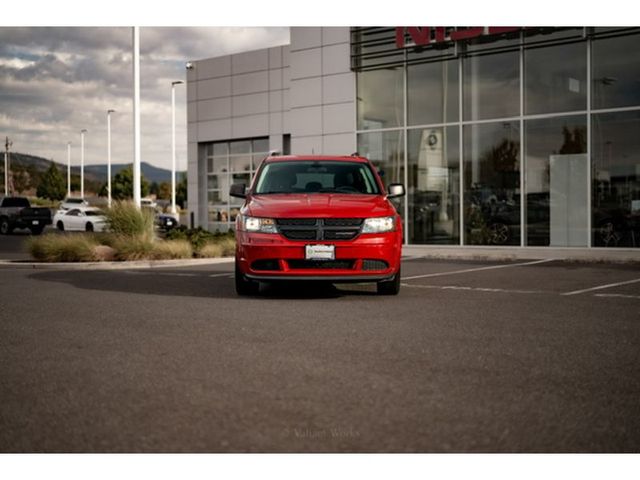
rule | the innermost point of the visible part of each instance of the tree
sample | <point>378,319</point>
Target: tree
<point>122,184</point>
<point>52,184</point>
<point>164,191</point>
<point>153,188</point>
<point>181,191</point>
<point>20,177</point>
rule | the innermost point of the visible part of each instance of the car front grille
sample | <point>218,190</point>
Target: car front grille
<point>319,228</point>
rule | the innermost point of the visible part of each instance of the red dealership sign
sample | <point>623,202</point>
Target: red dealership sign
<point>421,36</point>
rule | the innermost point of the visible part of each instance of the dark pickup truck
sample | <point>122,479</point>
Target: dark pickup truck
<point>17,212</point>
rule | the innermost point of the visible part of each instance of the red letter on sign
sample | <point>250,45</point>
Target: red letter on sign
<point>496,30</point>
<point>420,35</point>
<point>466,33</point>
<point>400,37</point>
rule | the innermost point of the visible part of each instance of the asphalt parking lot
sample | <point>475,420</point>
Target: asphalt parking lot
<point>527,356</point>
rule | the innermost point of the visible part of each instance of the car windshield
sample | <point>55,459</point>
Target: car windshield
<point>15,202</point>
<point>309,176</point>
<point>74,200</point>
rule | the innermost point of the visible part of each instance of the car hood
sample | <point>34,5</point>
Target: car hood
<point>328,205</point>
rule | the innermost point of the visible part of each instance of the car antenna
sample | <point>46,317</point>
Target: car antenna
<point>355,154</point>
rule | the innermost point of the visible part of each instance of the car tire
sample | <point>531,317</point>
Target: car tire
<point>88,227</point>
<point>36,230</point>
<point>244,286</point>
<point>60,225</point>
<point>389,287</point>
<point>5,227</point>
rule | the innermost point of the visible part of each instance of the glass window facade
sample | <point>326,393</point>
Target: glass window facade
<point>523,140</point>
<point>228,163</point>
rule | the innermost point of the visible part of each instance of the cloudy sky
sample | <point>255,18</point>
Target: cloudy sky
<point>55,81</point>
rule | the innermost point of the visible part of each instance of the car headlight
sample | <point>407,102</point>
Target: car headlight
<point>262,225</point>
<point>378,225</point>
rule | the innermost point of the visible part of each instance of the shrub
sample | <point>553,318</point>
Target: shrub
<point>228,246</point>
<point>137,247</point>
<point>197,236</point>
<point>210,250</point>
<point>55,247</point>
<point>170,249</point>
<point>125,218</point>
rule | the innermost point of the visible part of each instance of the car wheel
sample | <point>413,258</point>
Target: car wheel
<point>390,287</point>
<point>89,227</point>
<point>499,234</point>
<point>60,225</point>
<point>244,286</point>
<point>4,227</point>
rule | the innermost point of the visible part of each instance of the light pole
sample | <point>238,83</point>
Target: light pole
<point>68,169</point>
<point>109,112</point>
<point>136,116</point>
<point>82,132</point>
<point>7,166</point>
<point>173,145</point>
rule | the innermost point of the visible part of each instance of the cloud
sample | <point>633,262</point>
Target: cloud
<point>55,81</point>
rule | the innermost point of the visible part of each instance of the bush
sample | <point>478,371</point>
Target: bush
<point>170,249</point>
<point>210,250</point>
<point>133,247</point>
<point>197,236</point>
<point>228,246</point>
<point>55,247</point>
<point>125,218</point>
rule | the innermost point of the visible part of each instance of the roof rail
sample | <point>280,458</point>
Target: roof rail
<point>273,153</point>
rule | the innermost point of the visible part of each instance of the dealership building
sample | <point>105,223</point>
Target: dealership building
<point>525,137</point>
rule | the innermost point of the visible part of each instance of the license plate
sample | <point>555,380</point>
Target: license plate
<point>34,222</point>
<point>320,252</point>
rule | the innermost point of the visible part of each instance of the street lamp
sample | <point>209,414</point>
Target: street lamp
<point>173,144</point>
<point>109,112</point>
<point>68,169</point>
<point>82,132</point>
<point>136,115</point>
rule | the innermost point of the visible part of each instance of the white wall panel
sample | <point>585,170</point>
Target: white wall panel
<point>214,109</point>
<point>214,87</point>
<point>306,121</point>
<point>305,37</point>
<point>338,88</point>
<point>336,59</point>
<point>250,83</point>
<point>250,61</point>
<point>213,67</point>
<point>338,118</point>
<point>306,63</point>
<point>306,92</point>
<point>250,104</point>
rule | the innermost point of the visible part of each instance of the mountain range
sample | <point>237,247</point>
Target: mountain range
<point>96,173</point>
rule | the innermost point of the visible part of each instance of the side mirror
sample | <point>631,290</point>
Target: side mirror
<point>396,190</point>
<point>238,190</point>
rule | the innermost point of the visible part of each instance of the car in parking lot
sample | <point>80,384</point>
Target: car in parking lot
<point>17,212</point>
<point>319,218</point>
<point>73,202</point>
<point>86,219</point>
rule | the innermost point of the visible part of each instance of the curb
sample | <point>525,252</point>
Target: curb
<point>116,265</point>
<point>567,254</point>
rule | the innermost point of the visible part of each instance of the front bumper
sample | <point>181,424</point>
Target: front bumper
<point>285,259</point>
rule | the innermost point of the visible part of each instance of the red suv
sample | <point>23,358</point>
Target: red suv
<point>317,218</point>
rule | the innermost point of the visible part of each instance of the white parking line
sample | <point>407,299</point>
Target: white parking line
<point>616,295</point>
<point>227,274</point>
<point>474,289</point>
<point>492,267</point>
<point>602,287</point>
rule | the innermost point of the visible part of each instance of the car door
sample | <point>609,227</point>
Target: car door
<point>72,220</point>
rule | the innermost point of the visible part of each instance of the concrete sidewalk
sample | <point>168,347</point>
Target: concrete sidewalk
<point>609,255</point>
